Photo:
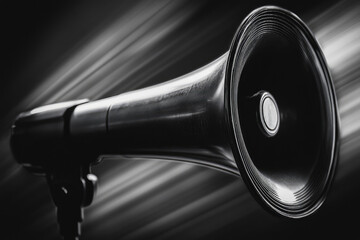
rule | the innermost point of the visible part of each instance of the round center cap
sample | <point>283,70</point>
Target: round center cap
<point>269,114</point>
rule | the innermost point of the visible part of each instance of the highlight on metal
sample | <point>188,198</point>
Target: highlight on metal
<point>264,110</point>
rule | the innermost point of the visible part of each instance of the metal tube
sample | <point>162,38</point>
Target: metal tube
<point>182,119</point>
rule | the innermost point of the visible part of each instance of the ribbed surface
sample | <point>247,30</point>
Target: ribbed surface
<point>289,202</point>
<point>129,46</point>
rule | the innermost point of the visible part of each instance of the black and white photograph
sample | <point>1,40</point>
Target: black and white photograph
<point>180,119</point>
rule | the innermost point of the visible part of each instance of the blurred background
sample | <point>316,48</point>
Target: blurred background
<point>56,51</point>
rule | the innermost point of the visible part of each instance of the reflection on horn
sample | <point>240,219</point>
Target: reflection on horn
<point>265,110</point>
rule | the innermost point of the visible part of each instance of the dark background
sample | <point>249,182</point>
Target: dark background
<point>56,50</point>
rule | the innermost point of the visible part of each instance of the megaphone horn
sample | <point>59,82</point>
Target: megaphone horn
<point>265,109</point>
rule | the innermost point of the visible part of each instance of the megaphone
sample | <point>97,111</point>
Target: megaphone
<point>265,110</point>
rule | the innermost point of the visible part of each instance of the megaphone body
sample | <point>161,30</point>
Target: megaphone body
<point>265,110</point>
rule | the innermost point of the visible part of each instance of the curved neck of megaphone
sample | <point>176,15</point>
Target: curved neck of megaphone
<point>182,119</point>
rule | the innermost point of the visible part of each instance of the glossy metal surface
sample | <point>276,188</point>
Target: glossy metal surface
<point>209,117</point>
<point>180,120</point>
<point>196,202</point>
<point>269,114</point>
<point>292,171</point>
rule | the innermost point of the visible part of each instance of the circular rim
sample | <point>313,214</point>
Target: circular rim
<point>266,129</point>
<point>265,195</point>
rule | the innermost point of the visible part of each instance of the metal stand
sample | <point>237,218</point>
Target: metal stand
<point>71,191</point>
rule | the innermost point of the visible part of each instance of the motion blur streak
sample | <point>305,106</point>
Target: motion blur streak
<point>146,198</point>
<point>140,184</point>
<point>108,59</point>
<point>185,213</point>
<point>159,199</point>
<point>338,31</point>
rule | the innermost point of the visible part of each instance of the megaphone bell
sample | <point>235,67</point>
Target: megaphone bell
<point>265,110</point>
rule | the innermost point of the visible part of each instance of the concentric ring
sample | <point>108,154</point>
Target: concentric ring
<point>292,184</point>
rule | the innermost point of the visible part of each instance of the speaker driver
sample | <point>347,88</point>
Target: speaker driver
<point>282,112</point>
